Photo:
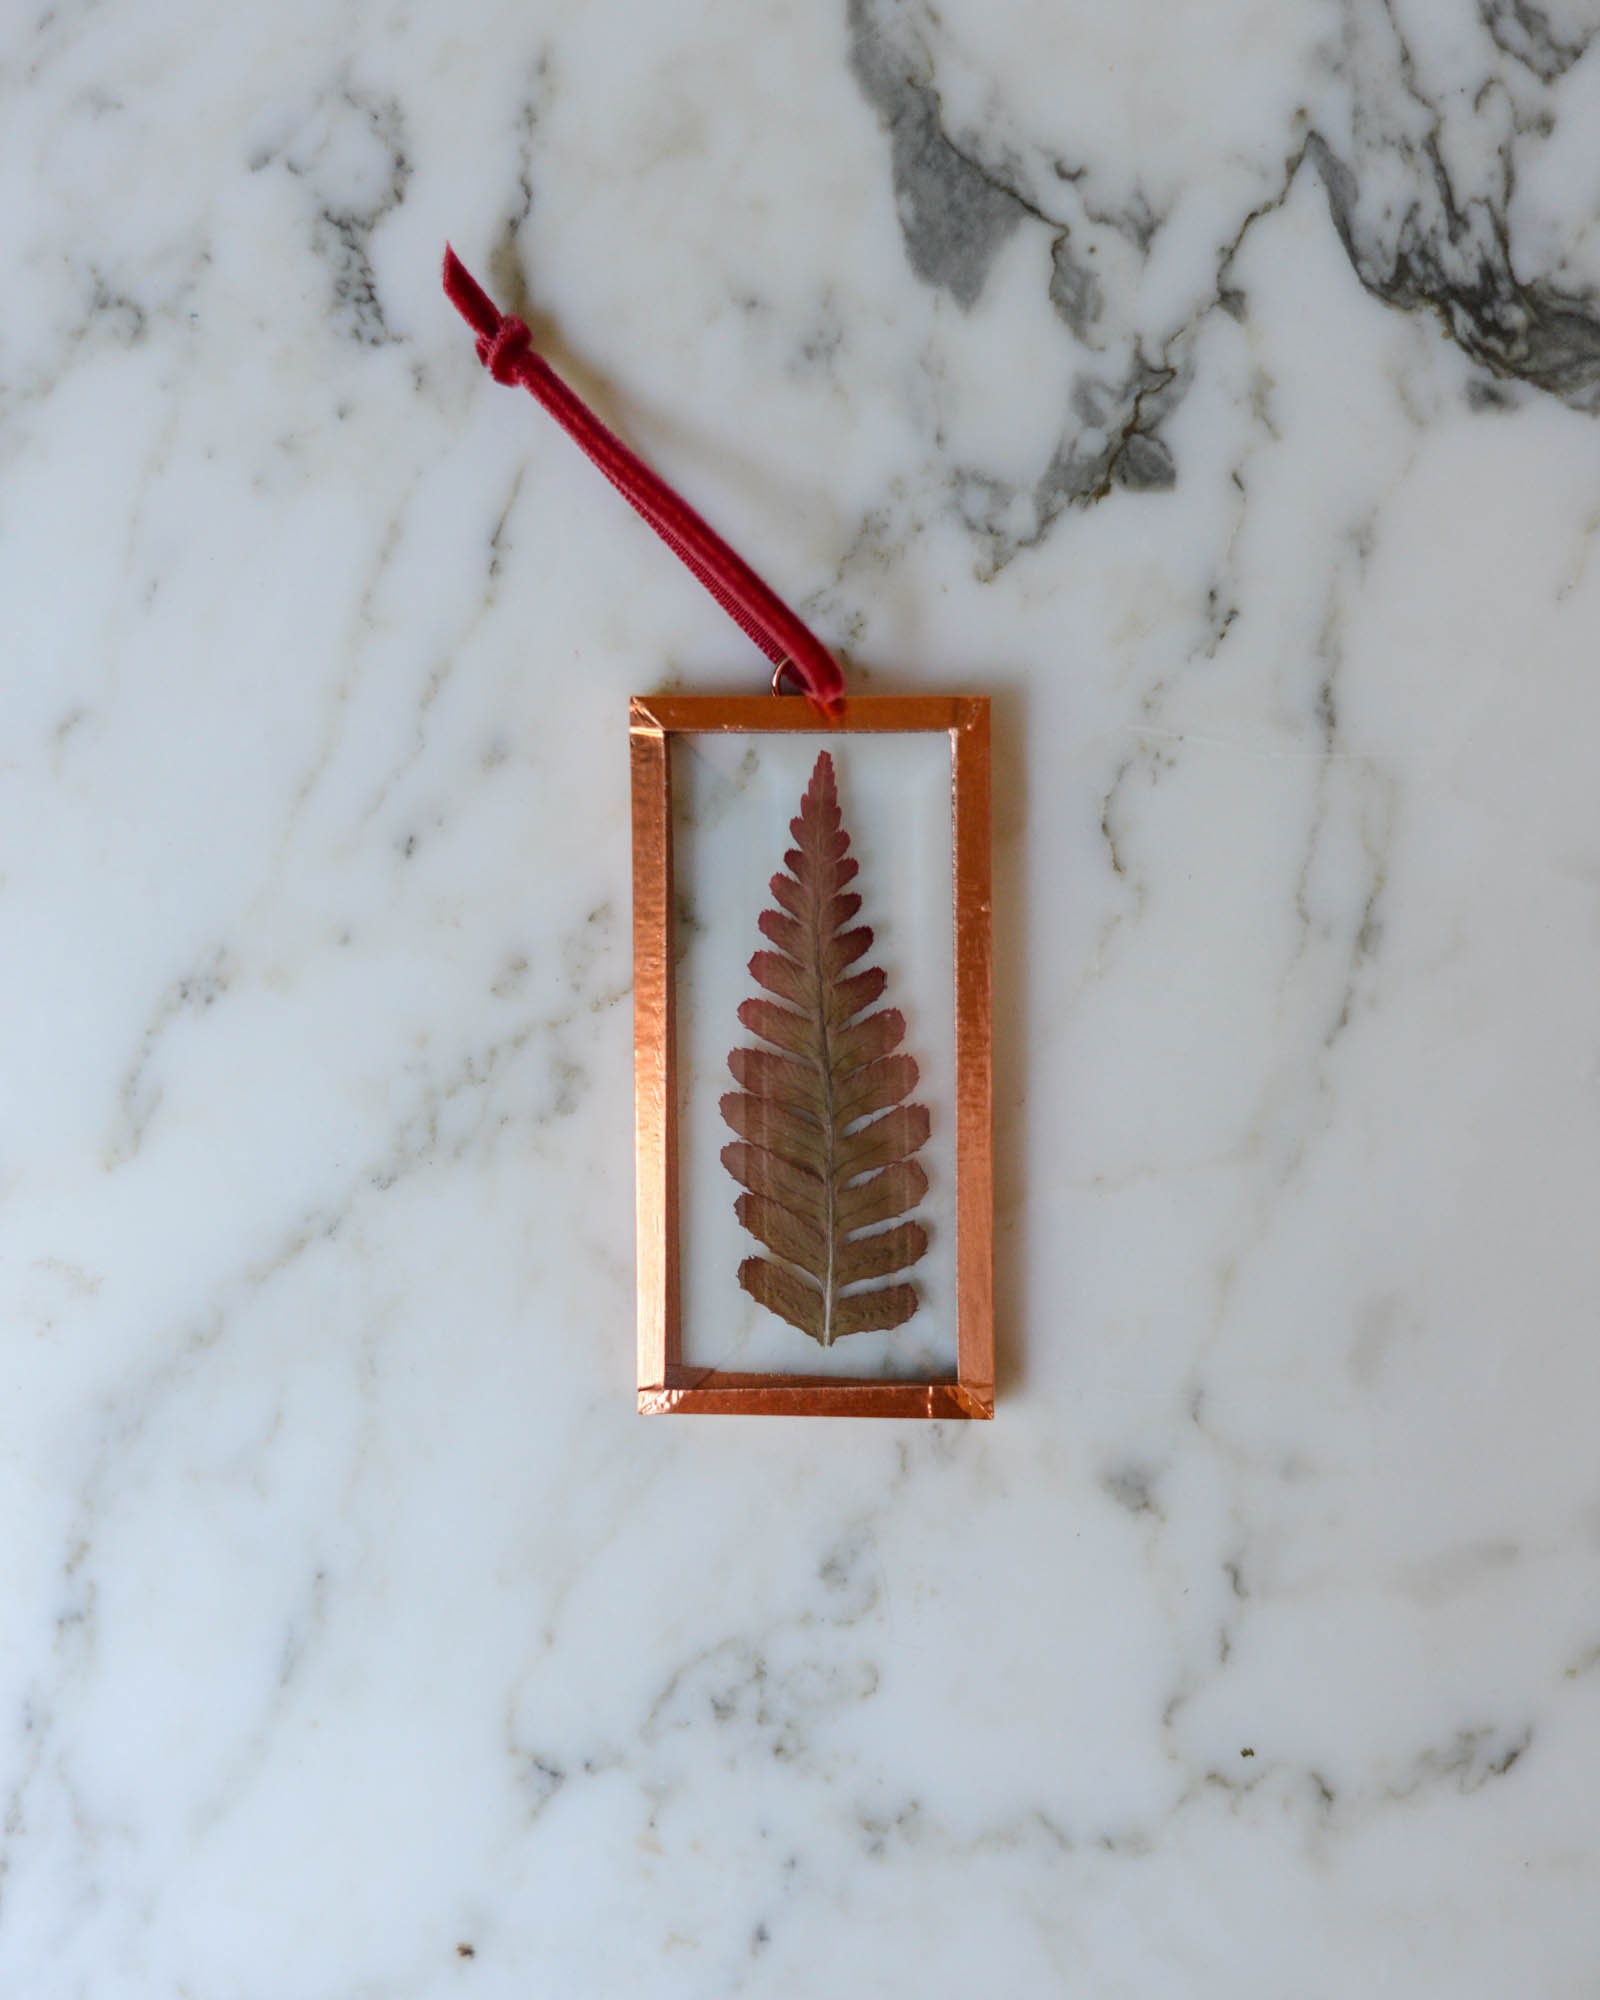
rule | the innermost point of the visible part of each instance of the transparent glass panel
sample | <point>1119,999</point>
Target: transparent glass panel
<point>733,797</point>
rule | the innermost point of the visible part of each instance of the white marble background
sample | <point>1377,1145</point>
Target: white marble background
<point>1217,387</point>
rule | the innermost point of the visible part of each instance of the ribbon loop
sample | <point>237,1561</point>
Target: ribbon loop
<point>505,347</point>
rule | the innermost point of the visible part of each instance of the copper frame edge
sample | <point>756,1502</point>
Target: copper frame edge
<point>665,1385</point>
<point>655,1120</point>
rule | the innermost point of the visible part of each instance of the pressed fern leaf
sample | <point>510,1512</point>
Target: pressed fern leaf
<point>825,1136</point>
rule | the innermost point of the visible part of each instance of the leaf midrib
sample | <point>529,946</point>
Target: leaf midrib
<point>820,903</point>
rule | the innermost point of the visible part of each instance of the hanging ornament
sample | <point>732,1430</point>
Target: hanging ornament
<point>834,1256</point>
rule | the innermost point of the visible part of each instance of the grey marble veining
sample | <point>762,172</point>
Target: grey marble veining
<point>1217,389</point>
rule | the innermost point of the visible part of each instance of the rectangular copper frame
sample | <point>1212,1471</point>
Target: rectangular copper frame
<point>666,1383</point>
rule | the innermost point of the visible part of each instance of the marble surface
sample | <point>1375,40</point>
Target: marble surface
<point>1215,386</point>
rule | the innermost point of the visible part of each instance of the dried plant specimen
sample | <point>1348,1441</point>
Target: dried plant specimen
<point>825,1135</point>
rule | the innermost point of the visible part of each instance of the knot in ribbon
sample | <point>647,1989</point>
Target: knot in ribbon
<point>503,351</point>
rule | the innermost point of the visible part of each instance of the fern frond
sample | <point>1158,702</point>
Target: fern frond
<point>825,1137</point>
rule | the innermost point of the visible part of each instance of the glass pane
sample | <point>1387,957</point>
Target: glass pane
<point>733,797</point>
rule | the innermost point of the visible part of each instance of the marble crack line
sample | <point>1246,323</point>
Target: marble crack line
<point>1473,1758</point>
<point>338,702</point>
<point>739,1684</point>
<point>505,268</point>
<point>443,670</point>
<point>300,1643</point>
<point>140,1093</point>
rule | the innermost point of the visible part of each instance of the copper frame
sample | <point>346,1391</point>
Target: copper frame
<point>666,1383</point>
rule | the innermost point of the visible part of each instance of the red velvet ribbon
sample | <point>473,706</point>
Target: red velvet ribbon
<point>505,347</point>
